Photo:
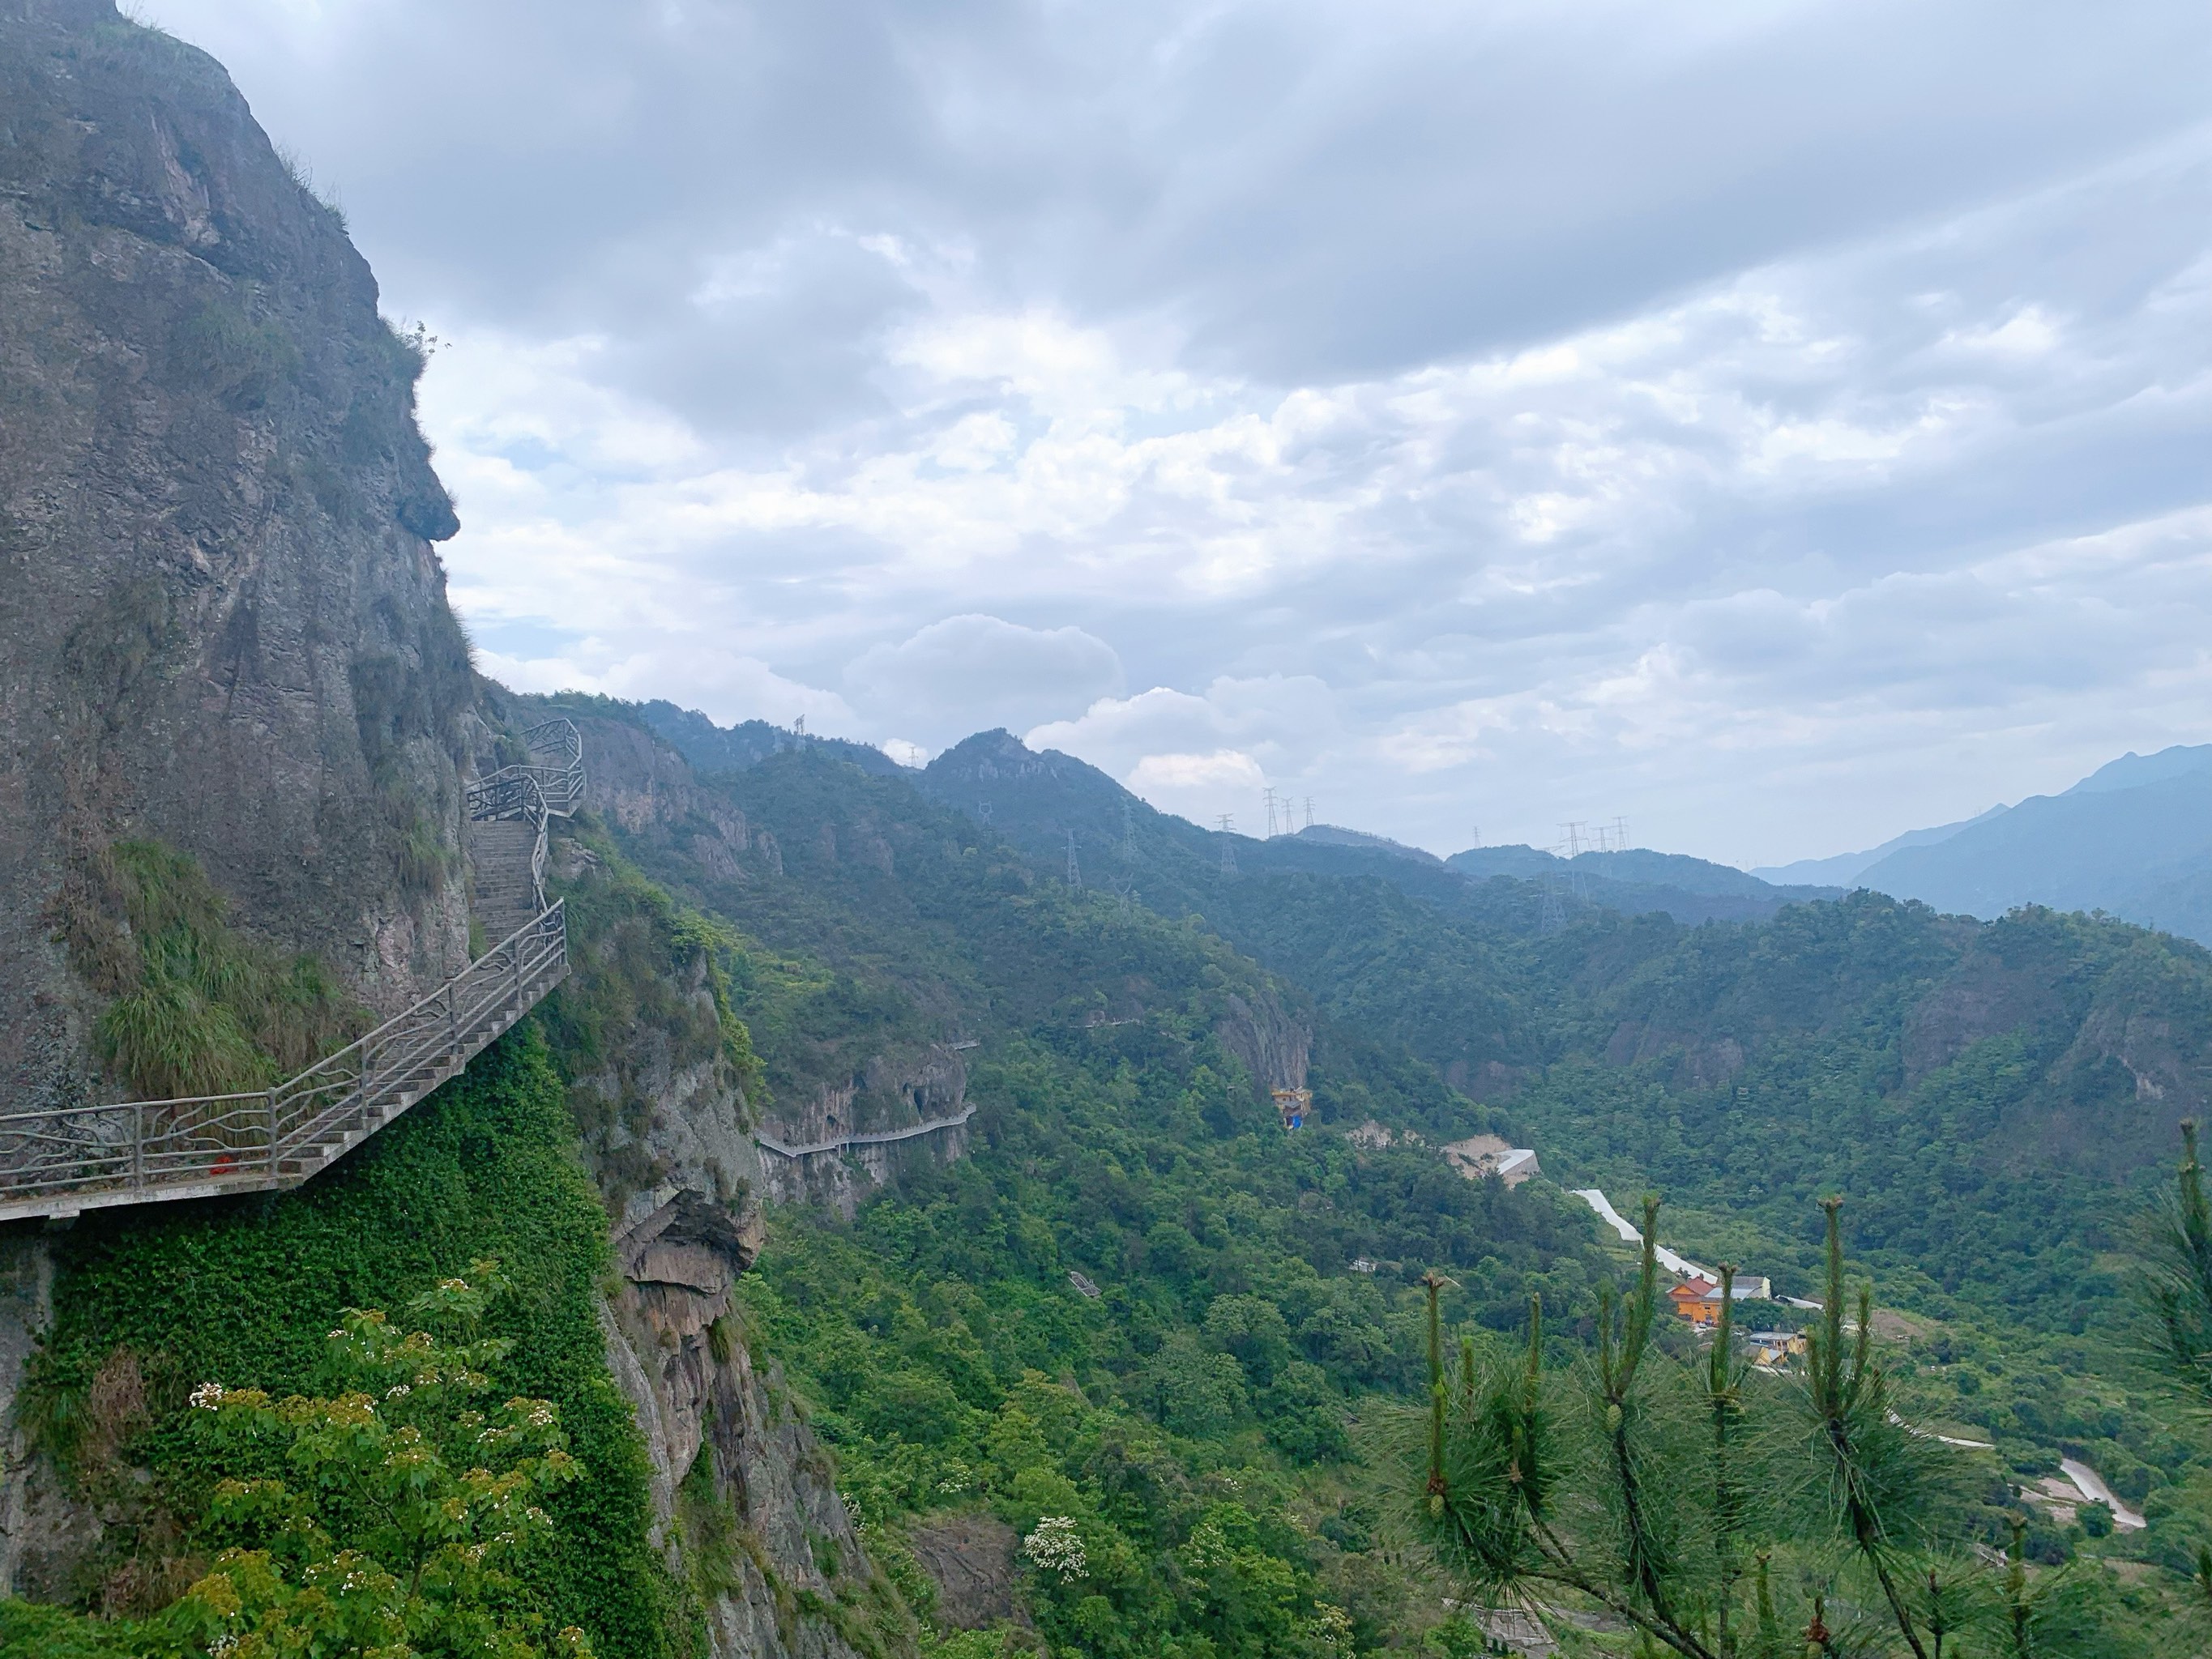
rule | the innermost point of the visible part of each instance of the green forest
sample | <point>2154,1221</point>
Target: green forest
<point>1199,1372</point>
<point>1995,1181</point>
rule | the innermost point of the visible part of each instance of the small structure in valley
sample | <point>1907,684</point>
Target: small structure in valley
<point>1481,1156</point>
<point>1295,1105</point>
<point>1698,1300</point>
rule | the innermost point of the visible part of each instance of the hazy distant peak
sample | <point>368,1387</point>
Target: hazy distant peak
<point>2132,771</point>
<point>1843,869</point>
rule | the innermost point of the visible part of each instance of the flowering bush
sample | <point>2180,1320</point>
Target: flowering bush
<point>408,1499</point>
<point>1055,1547</point>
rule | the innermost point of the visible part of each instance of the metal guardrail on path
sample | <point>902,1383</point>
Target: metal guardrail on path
<point>60,1161</point>
<point>872,1137</point>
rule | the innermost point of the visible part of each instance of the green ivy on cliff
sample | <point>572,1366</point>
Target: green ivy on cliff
<point>242,1293</point>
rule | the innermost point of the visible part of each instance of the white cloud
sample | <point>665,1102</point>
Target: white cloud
<point>952,675</point>
<point>1780,427</point>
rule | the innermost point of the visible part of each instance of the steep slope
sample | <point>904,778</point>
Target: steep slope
<point>222,626</point>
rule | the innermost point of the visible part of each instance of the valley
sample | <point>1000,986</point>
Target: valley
<point>547,1173</point>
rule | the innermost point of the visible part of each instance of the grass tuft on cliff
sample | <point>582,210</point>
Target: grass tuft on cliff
<point>198,1008</point>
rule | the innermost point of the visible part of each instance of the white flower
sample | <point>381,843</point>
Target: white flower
<point>1055,1547</point>
<point>208,1396</point>
<point>1331,1630</point>
<point>398,1391</point>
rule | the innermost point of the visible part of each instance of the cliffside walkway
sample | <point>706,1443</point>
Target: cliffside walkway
<point>59,1162</point>
<point>768,1143</point>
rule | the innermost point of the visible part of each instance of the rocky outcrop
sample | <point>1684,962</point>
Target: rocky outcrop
<point>1272,1042</point>
<point>1701,1061</point>
<point>747,1503</point>
<point>222,623</point>
<point>44,1533</point>
<point>918,1084</point>
<point>969,1556</point>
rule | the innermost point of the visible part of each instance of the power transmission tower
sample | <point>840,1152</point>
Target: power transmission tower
<point>1128,835</point>
<point>1226,823</point>
<point>1309,812</point>
<point>1620,835</point>
<point>983,810</point>
<point>1271,814</point>
<point>1551,909</point>
<point>1075,872</point>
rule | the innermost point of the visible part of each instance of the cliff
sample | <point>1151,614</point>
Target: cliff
<point>864,1075</point>
<point>223,629</point>
<point>222,622</point>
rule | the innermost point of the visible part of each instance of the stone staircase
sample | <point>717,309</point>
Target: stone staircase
<point>504,889</point>
<point>57,1163</point>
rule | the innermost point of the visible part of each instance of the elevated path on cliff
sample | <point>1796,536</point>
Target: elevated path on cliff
<point>58,1164</point>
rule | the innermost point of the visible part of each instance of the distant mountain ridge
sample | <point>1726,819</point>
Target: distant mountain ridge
<point>1058,794</point>
<point>2133,839</point>
<point>712,748</point>
<point>1846,868</point>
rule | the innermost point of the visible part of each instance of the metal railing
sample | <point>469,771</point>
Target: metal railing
<point>58,1161</point>
<point>539,792</point>
<point>61,1160</point>
<point>870,1137</point>
<point>554,772</point>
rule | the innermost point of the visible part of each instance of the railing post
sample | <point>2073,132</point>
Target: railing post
<point>517,979</point>
<point>138,1144</point>
<point>452,1016</point>
<point>272,1131</point>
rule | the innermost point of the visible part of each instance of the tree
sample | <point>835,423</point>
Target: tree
<point>2178,1290</point>
<point>384,1519</point>
<point>1644,1485</point>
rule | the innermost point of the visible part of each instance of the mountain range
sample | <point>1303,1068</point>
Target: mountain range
<point>2133,839</point>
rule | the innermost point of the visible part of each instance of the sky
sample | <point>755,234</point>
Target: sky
<point>1774,425</point>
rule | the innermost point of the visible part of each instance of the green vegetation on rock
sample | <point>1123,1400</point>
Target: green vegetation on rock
<point>244,1293</point>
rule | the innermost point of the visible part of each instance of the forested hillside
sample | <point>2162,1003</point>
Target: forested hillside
<point>1991,1100</point>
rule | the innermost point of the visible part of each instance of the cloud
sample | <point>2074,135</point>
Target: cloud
<point>1780,426</point>
<point>728,688</point>
<point>973,671</point>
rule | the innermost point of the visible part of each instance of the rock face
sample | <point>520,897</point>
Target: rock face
<point>641,784</point>
<point>745,1503</point>
<point>726,1444</point>
<point>1272,1042</point>
<point>223,624</point>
